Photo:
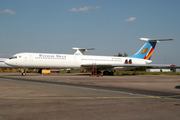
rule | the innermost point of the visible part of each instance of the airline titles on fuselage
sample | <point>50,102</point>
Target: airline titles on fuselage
<point>44,56</point>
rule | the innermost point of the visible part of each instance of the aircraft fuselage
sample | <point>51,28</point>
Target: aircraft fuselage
<point>45,60</point>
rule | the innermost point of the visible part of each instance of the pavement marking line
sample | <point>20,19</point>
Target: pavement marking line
<point>89,97</point>
<point>71,98</point>
<point>79,87</point>
<point>82,87</point>
<point>122,83</point>
<point>175,89</point>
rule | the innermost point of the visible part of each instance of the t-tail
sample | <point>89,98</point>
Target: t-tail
<point>148,48</point>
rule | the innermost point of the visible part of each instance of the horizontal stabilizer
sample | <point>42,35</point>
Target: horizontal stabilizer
<point>80,51</point>
<point>84,49</point>
<point>154,40</point>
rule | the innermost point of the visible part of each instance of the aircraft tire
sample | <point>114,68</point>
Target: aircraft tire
<point>23,74</point>
<point>108,73</point>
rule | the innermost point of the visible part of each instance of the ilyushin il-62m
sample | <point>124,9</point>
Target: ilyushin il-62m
<point>78,60</point>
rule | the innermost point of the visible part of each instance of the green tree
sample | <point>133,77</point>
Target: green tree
<point>125,55</point>
<point>121,55</point>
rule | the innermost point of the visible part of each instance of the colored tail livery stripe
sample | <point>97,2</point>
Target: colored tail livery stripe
<point>148,56</point>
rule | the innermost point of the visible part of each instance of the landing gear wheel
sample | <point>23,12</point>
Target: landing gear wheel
<point>105,73</point>
<point>108,73</point>
<point>23,74</point>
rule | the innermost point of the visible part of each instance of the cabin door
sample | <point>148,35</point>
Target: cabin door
<point>31,58</point>
<point>75,59</point>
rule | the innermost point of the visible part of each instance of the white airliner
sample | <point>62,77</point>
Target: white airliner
<point>66,61</point>
<point>79,51</point>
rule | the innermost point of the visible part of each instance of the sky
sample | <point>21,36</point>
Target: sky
<point>109,26</point>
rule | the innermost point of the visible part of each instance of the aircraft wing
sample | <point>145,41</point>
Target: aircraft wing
<point>99,65</point>
<point>144,65</point>
<point>109,65</point>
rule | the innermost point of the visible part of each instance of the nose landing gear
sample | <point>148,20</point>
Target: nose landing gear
<point>23,72</point>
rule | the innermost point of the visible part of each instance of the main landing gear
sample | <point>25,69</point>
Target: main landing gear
<point>96,72</point>
<point>108,73</point>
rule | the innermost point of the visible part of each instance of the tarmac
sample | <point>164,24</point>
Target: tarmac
<point>78,96</point>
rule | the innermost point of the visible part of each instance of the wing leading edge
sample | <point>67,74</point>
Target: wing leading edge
<point>106,65</point>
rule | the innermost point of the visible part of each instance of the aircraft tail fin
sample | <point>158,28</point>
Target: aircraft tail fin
<point>148,48</point>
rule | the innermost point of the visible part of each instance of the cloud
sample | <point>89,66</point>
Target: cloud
<point>131,19</point>
<point>7,11</point>
<point>84,9</point>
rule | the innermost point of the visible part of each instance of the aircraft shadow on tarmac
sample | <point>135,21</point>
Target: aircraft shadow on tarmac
<point>177,87</point>
<point>67,74</point>
<point>107,75</point>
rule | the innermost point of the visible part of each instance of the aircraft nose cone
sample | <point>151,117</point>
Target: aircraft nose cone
<point>7,62</point>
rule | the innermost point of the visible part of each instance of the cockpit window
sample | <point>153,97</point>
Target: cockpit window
<point>13,57</point>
